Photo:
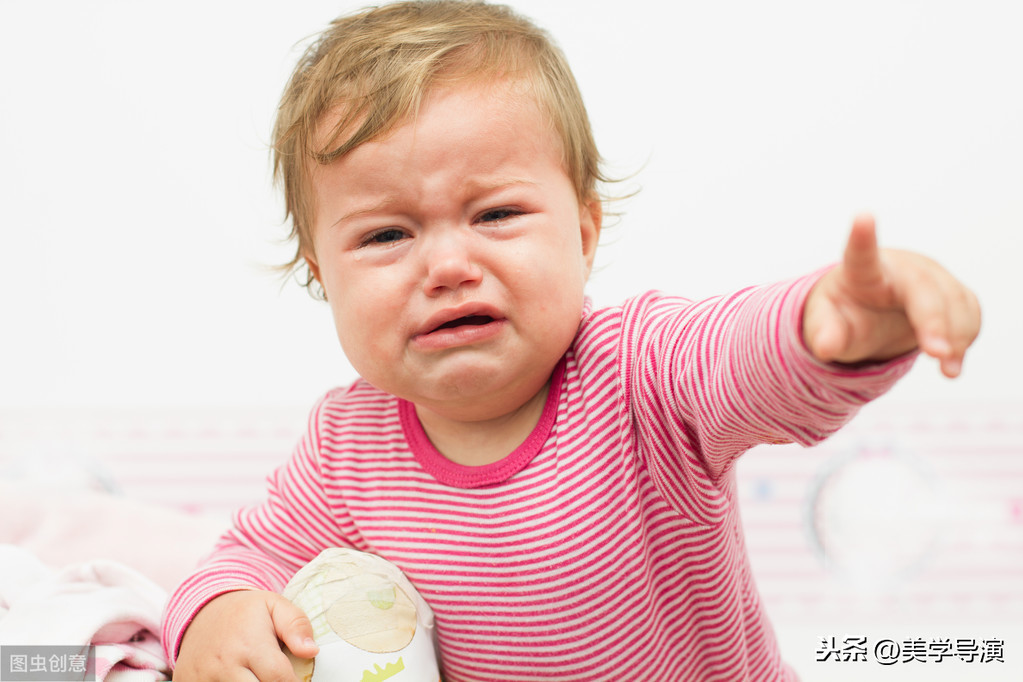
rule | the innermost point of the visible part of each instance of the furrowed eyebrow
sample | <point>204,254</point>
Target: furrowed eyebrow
<point>497,183</point>
<point>373,208</point>
<point>470,185</point>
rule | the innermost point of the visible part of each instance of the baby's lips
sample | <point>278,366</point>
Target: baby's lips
<point>472,312</point>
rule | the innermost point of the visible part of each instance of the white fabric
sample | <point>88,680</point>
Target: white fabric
<point>99,602</point>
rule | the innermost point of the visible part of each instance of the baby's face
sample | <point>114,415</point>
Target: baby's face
<point>454,252</point>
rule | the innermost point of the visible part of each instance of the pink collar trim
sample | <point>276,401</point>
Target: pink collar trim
<point>462,476</point>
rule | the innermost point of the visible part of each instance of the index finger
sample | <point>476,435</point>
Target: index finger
<point>862,258</point>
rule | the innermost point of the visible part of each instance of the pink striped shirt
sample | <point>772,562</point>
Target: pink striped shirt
<point>608,546</point>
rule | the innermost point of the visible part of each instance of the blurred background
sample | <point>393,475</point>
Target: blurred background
<point>147,348</point>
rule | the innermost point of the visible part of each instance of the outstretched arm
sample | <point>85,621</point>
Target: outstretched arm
<point>879,304</point>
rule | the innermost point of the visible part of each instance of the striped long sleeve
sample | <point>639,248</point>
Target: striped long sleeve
<point>608,545</point>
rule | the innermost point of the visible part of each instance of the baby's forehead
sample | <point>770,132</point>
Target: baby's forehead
<point>354,119</point>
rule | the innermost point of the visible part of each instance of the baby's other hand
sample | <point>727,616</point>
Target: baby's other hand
<point>878,304</point>
<point>237,636</point>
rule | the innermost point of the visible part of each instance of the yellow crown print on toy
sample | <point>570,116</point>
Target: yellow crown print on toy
<point>388,671</point>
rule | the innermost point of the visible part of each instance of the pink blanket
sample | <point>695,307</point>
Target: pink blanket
<point>83,568</point>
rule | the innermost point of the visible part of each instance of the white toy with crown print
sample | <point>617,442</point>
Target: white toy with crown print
<point>368,620</point>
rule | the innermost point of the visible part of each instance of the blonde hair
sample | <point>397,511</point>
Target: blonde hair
<point>379,63</point>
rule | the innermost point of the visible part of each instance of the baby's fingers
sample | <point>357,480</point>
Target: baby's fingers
<point>862,258</point>
<point>270,664</point>
<point>293,627</point>
<point>944,315</point>
<point>235,638</point>
<point>963,328</point>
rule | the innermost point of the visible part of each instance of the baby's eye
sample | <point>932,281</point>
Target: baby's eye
<point>496,215</point>
<point>384,236</point>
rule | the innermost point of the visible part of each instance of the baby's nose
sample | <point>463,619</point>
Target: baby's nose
<point>450,263</point>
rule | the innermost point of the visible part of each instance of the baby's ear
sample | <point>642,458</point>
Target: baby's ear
<point>314,268</point>
<point>591,216</point>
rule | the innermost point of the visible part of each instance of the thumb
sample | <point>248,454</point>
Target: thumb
<point>293,627</point>
<point>829,338</point>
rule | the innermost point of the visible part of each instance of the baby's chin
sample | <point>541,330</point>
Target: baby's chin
<point>482,398</point>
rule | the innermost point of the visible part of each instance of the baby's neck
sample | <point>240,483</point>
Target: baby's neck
<point>476,443</point>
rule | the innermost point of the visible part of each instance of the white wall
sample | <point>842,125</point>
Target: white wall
<point>137,216</point>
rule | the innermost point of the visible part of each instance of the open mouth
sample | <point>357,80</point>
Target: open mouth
<point>448,329</point>
<point>467,320</point>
